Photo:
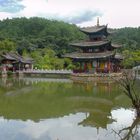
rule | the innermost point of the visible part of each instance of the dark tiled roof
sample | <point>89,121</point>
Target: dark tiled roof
<point>27,60</point>
<point>90,44</point>
<point>79,55</point>
<point>16,58</point>
<point>8,56</point>
<point>93,29</point>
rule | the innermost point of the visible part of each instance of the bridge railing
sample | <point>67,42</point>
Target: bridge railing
<point>62,71</point>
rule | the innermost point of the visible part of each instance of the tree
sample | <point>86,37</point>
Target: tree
<point>131,58</point>
<point>127,83</point>
<point>7,45</point>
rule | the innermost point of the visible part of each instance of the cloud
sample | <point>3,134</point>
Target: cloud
<point>81,17</point>
<point>11,6</point>
<point>116,13</point>
<point>77,17</point>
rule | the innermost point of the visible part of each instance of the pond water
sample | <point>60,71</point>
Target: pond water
<point>59,109</point>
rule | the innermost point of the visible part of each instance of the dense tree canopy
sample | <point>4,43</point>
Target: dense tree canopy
<point>128,37</point>
<point>36,33</point>
<point>47,40</point>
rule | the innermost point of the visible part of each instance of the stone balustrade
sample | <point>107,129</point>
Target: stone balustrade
<point>62,71</point>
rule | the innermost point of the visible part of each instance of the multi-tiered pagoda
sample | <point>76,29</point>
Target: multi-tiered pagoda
<point>97,54</point>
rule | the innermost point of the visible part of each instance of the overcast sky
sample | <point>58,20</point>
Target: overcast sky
<point>115,13</point>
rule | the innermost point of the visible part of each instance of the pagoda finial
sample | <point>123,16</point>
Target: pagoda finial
<point>98,21</point>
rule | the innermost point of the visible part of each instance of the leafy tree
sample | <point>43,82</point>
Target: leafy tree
<point>131,59</point>
<point>7,45</point>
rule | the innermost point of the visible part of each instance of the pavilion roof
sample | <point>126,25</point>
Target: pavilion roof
<point>15,57</point>
<point>93,29</point>
<point>8,56</point>
<point>80,55</point>
<point>90,44</point>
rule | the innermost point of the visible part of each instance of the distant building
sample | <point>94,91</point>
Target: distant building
<point>14,61</point>
<point>96,54</point>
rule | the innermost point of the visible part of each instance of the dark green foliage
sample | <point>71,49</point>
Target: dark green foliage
<point>131,58</point>
<point>130,40</point>
<point>34,35</point>
<point>38,38</point>
<point>7,45</point>
<point>128,37</point>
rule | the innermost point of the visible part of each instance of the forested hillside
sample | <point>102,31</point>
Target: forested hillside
<point>38,33</point>
<point>130,40</point>
<point>46,40</point>
<point>128,37</point>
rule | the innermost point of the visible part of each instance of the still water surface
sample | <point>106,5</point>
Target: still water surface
<point>59,109</point>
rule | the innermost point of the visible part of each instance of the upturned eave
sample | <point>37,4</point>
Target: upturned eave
<point>80,55</point>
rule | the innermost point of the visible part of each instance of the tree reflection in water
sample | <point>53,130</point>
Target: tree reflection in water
<point>131,132</point>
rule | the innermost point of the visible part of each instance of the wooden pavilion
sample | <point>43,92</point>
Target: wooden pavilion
<point>14,61</point>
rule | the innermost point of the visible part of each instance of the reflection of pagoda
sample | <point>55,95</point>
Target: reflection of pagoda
<point>97,54</point>
<point>98,119</point>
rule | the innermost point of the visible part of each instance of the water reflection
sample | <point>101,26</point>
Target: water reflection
<point>126,127</point>
<point>9,82</point>
<point>130,132</point>
<point>43,109</point>
<point>69,128</point>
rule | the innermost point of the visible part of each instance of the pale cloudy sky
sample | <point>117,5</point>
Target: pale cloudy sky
<point>115,13</point>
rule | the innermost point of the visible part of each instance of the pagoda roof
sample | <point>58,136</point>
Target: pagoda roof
<point>79,55</point>
<point>90,44</point>
<point>94,29</point>
<point>98,119</point>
